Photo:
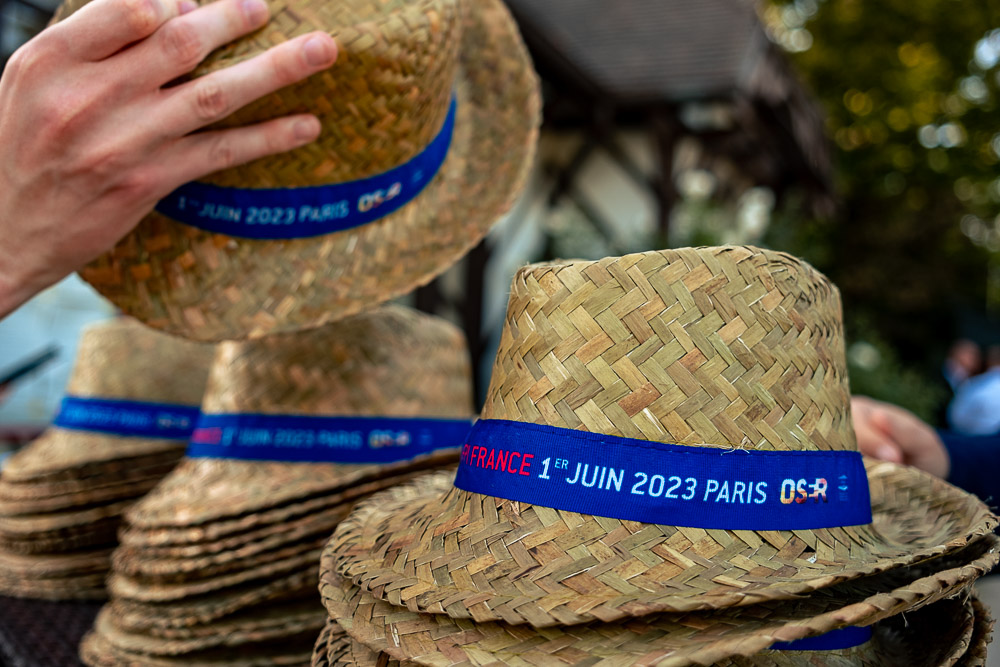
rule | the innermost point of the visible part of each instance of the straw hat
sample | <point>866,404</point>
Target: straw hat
<point>950,632</point>
<point>225,552</point>
<point>389,362</point>
<point>699,637</point>
<point>131,403</point>
<point>736,355</point>
<point>401,64</point>
<point>116,360</point>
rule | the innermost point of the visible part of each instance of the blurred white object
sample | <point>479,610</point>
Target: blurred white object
<point>54,317</point>
<point>975,410</point>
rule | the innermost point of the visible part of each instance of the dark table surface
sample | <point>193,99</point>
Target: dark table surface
<point>35,633</point>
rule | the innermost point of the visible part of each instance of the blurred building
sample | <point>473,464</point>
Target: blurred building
<point>666,122</point>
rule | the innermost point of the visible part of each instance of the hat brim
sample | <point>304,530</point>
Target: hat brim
<point>176,562</point>
<point>433,548</point>
<point>253,627</point>
<point>666,639</point>
<point>97,651</point>
<point>297,522</point>
<point>206,498</point>
<point>199,610</point>
<point>71,460</point>
<point>211,287</point>
<point>982,634</point>
<point>938,635</point>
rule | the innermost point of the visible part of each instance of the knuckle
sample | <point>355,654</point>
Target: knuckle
<point>141,17</point>
<point>105,164</point>
<point>137,185</point>
<point>222,152</point>
<point>286,67</point>
<point>26,61</point>
<point>211,101</point>
<point>182,43</point>
<point>63,114</point>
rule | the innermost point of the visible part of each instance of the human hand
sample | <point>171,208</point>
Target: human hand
<point>890,433</point>
<point>91,138</point>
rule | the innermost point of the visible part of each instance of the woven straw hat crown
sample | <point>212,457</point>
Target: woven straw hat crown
<point>390,361</point>
<point>124,359</point>
<point>726,347</point>
<point>382,103</point>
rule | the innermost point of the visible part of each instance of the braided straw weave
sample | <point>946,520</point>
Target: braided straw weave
<point>399,63</point>
<point>62,497</point>
<point>389,362</point>
<point>669,639</point>
<point>937,636</point>
<point>120,359</point>
<point>708,347</point>
<point>225,553</point>
<point>982,634</point>
<point>96,651</point>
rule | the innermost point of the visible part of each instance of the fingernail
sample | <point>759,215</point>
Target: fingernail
<point>187,6</point>
<point>256,11</point>
<point>306,129</point>
<point>318,51</point>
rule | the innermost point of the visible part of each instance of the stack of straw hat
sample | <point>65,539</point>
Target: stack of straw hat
<point>220,562</point>
<point>757,536</point>
<point>123,426</point>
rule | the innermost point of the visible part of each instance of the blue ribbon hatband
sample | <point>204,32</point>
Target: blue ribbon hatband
<point>652,482</point>
<point>160,421</point>
<point>302,439</point>
<point>832,641</point>
<point>291,213</point>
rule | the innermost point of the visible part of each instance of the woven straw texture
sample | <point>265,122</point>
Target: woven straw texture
<point>982,634</point>
<point>144,617</point>
<point>936,636</point>
<point>255,627</point>
<point>390,362</point>
<point>62,497</point>
<point>226,553</point>
<point>696,638</point>
<point>399,63</point>
<point>729,347</point>
<point>96,651</point>
<point>120,359</point>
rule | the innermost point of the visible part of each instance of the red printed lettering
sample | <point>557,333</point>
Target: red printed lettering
<point>502,460</point>
<point>526,463</point>
<point>482,457</point>
<point>490,462</point>
<point>510,462</point>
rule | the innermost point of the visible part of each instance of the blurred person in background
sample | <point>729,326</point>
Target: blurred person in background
<point>92,136</point>
<point>891,433</point>
<point>975,408</point>
<point>964,359</point>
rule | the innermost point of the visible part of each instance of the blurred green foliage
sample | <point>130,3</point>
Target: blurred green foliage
<point>911,91</point>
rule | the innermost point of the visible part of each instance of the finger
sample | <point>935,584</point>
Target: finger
<point>216,95</point>
<point>180,44</point>
<point>877,446</point>
<point>200,154</point>
<point>104,27</point>
<point>873,442</point>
